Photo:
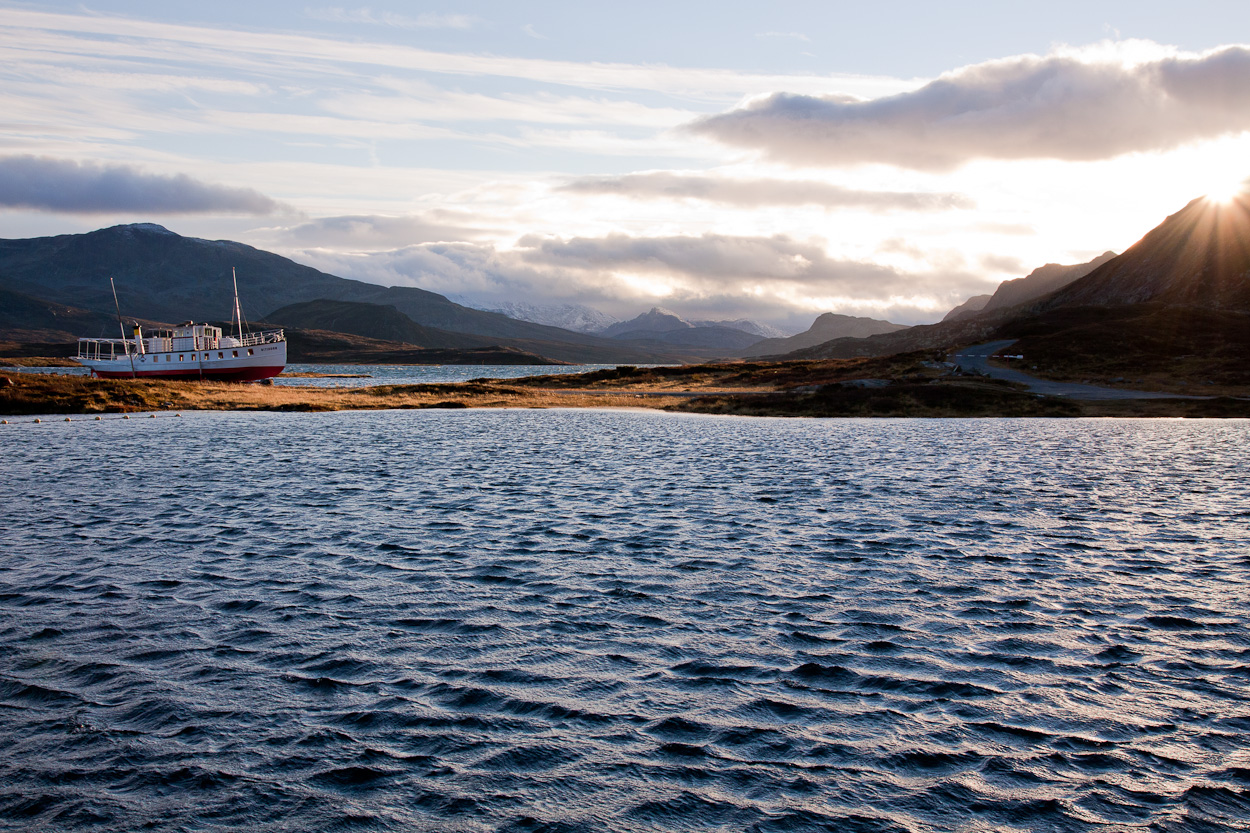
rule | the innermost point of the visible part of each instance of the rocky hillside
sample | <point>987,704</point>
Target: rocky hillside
<point>1199,256</point>
<point>1041,281</point>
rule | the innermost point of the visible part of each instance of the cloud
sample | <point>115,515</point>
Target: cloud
<point>63,39</point>
<point>761,192</point>
<point>1004,264</point>
<point>1070,106</point>
<point>374,232</point>
<point>406,101</point>
<point>706,259</point>
<point>775,280</point>
<point>62,185</point>
<point>787,35</point>
<point>369,17</point>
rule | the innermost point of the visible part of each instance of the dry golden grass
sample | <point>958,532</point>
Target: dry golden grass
<point>37,361</point>
<point>24,393</point>
<point>782,389</point>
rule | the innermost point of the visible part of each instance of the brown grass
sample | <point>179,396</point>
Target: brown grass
<point>745,376</point>
<point>777,389</point>
<point>24,393</point>
<point>38,361</point>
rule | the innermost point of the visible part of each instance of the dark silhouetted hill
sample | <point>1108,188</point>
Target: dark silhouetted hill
<point>377,321</point>
<point>826,327</point>
<point>968,308</point>
<point>26,319</point>
<point>1199,256</point>
<point>1041,281</point>
<point>660,329</point>
<point>1196,258</point>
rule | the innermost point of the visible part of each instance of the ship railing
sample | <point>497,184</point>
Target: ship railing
<point>264,337</point>
<point>104,348</point>
<point>98,349</point>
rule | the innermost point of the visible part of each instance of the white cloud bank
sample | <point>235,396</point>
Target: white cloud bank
<point>70,187</point>
<point>749,193</point>
<point>778,280</point>
<point>1068,106</point>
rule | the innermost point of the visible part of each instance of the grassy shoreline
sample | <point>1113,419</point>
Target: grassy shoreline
<point>910,386</point>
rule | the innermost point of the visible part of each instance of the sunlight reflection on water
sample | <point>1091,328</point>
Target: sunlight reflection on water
<point>597,620</point>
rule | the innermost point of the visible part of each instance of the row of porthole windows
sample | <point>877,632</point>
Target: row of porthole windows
<point>220,355</point>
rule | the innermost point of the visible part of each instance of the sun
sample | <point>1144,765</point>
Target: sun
<point>1226,190</point>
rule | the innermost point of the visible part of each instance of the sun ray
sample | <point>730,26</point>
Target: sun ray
<point>1226,190</point>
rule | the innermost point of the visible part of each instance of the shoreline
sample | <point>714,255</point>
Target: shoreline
<point>730,390</point>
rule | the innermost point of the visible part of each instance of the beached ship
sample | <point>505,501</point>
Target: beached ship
<point>188,351</point>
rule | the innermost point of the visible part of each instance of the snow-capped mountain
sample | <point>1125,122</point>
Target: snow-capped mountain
<point>575,317</point>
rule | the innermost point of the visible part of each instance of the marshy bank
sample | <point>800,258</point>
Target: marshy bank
<point>912,386</point>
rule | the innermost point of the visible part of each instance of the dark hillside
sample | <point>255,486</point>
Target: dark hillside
<point>1150,343</point>
<point>163,276</point>
<point>376,321</point>
<point>1199,256</point>
<point>1196,259</point>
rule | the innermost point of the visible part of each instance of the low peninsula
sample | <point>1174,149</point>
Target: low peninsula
<point>918,384</point>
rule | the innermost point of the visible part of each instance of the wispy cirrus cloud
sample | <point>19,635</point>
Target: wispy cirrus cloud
<point>799,36</point>
<point>748,193</point>
<point>367,16</point>
<point>71,187</point>
<point>270,53</point>
<point>1069,105</point>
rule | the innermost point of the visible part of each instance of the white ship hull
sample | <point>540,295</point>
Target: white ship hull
<point>194,351</point>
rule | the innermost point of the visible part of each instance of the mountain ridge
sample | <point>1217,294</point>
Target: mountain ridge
<point>827,326</point>
<point>163,276</point>
<point>1197,257</point>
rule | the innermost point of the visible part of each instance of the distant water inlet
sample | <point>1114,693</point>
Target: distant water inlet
<point>580,620</point>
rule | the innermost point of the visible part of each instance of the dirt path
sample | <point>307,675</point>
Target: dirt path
<point>977,358</point>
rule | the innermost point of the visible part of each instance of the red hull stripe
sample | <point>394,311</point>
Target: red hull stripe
<point>238,374</point>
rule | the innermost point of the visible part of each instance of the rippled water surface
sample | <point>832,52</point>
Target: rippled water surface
<point>577,620</point>
<point>355,375</point>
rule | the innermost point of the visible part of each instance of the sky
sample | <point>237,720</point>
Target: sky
<point>721,160</point>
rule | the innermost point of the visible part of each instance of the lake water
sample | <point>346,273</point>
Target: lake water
<point>417,374</point>
<point>621,621</point>
<point>356,375</point>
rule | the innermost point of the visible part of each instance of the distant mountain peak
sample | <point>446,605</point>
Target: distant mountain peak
<point>576,317</point>
<point>968,308</point>
<point>826,327</point>
<point>658,320</point>
<point>146,228</point>
<point>746,326</point>
<point>1041,281</point>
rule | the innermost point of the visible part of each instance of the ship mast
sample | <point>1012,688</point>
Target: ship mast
<point>122,327</point>
<point>238,313</point>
